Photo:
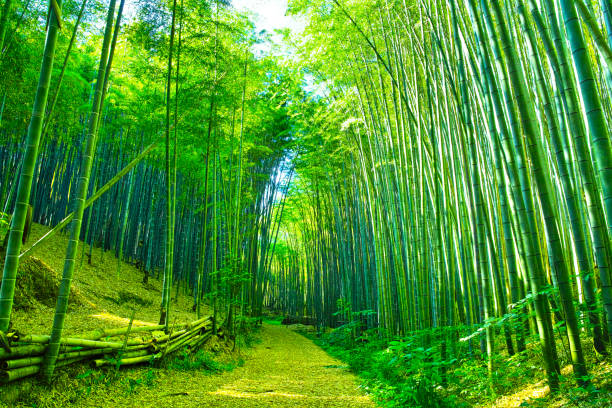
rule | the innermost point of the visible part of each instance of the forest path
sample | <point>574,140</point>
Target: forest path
<point>284,370</point>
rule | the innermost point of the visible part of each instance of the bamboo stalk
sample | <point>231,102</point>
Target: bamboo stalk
<point>16,374</point>
<point>21,362</point>
<point>98,334</point>
<point>127,361</point>
<point>24,362</point>
<point>92,199</point>
<point>19,373</point>
<point>44,339</point>
<point>22,351</point>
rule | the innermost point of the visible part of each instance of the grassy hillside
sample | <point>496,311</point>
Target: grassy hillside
<point>100,296</point>
<point>99,299</point>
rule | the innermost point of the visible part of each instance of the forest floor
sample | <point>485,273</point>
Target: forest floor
<point>274,367</point>
<point>283,368</point>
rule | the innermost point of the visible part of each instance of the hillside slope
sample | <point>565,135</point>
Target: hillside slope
<point>101,298</point>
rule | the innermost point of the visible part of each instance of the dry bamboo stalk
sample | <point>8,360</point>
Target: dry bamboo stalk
<point>178,343</point>
<point>12,375</point>
<point>22,372</point>
<point>44,339</point>
<point>139,347</point>
<point>24,362</point>
<point>21,362</point>
<point>85,353</point>
<point>173,346</point>
<point>188,328</point>
<point>187,334</point>
<point>22,351</point>
<point>32,350</point>
<point>187,338</point>
<point>104,362</point>
<point>32,338</point>
<point>200,341</point>
<point>91,343</point>
<point>127,361</point>
<point>98,334</point>
<point>138,351</point>
<point>166,337</point>
<point>199,322</point>
<point>188,343</point>
<point>138,360</point>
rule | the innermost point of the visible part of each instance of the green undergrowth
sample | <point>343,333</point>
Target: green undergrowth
<point>274,321</point>
<point>396,373</point>
<point>126,383</point>
<point>248,332</point>
<point>4,225</point>
<point>204,361</point>
<point>74,384</point>
<point>421,371</point>
<point>77,382</point>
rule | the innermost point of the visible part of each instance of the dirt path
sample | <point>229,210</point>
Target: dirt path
<point>284,370</point>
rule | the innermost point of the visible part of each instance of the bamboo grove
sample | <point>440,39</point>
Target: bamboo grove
<point>160,139</point>
<point>455,176</point>
<point>432,169</point>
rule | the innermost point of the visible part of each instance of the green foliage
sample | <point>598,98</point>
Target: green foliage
<point>147,379</point>
<point>4,224</point>
<point>399,372</point>
<point>95,378</point>
<point>247,339</point>
<point>275,320</point>
<point>200,361</point>
<point>247,331</point>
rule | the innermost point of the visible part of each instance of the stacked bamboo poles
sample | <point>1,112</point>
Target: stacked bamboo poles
<point>27,351</point>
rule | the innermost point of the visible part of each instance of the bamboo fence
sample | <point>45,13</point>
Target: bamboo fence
<point>25,353</point>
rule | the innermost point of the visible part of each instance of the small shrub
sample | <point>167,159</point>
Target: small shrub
<point>200,360</point>
<point>398,372</point>
<point>146,379</point>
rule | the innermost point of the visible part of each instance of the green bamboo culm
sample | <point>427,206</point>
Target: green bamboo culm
<point>164,319</point>
<point>7,291</point>
<point>536,271</point>
<point>551,221</point>
<point>570,187</point>
<point>92,199</point>
<point>58,87</point>
<point>601,149</point>
<point>4,22</point>
<point>50,358</point>
<point>599,136</point>
<point>126,211</point>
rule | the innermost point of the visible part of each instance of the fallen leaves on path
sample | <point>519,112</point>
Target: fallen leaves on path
<point>284,370</point>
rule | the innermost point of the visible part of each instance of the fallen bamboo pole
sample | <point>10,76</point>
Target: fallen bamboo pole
<point>200,341</point>
<point>169,343</point>
<point>26,356</point>
<point>22,351</point>
<point>16,374</point>
<point>98,334</point>
<point>44,339</point>
<point>127,361</point>
<point>19,373</point>
<point>21,362</point>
